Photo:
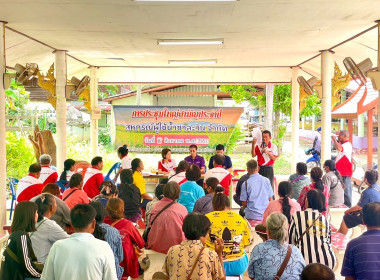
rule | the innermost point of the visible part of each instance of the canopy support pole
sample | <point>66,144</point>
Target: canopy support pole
<point>378,104</point>
<point>269,92</point>
<point>138,95</point>
<point>60,89</point>
<point>326,73</point>
<point>350,130</point>
<point>94,104</point>
<point>295,118</point>
<point>3,150</point>
<point>370,140</point>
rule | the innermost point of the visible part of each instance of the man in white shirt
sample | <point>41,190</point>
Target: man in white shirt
<point>344,163</point>
<point>81,256</point>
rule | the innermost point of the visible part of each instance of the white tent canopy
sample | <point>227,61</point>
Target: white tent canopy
<point>262,39</point>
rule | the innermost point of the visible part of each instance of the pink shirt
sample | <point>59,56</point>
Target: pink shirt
<point>167,228</point>
<point>276,206</point>
<point>302,199</point>
<point>78,196</point>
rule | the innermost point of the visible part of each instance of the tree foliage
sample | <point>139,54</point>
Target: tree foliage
<point>16,98</point>
<point>313,106</point>
<point>240,93</point>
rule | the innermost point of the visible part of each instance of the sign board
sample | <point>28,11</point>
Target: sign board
<point>149,129</point>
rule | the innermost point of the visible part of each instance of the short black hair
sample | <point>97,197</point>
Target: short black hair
<point>35,168</point>
<point>195,226</point>
<point>82,215</point>
<point>96,160</point>
<point>135,164</point>
<point>164,152</point>
<point>219,159</point>
<point>266,132</point>
<point>193,146</point>
<point>317,271</point>
<point>316,200</point>
<point>100,211</point>
<point>219,147</point>
<point>126,176</point>
<point>24,217</point>
<point>75,180</point>
<point>372,176</point>
<point>371,214</point>
<point>301,168</point>
<point>159,191</point>
<point>193,173</point>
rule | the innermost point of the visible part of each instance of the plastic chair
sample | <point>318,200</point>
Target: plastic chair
<point>63,185</point>
<point>81,167</point>
<point>12,185</point>
<point>114,169</point>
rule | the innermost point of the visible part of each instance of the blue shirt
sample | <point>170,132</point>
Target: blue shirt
<point>226,164</point>
<point>266,259</point>
<point>371,194</point>
<point>198,160</point>
<point>257,194</point>
<point>190,193</point>
<point>362,257</point>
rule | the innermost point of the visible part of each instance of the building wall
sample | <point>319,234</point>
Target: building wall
<point>184,100</point>
<point>146,99</point>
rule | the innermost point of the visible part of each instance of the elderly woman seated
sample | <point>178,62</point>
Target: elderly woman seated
<point>267,258</point>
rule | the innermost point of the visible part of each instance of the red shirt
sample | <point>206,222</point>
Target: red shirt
<point>77,196</point>
<point>28,188</point>
<point>264,159</point>
<point>48,175</point>
<point>222,175</point>
<point>92,181</point>
<point>343,160</point>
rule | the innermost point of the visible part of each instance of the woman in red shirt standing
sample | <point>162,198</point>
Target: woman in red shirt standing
<point>130,236</point>
<point>167,164</point>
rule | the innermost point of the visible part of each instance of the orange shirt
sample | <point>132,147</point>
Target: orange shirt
<point>77,196</point>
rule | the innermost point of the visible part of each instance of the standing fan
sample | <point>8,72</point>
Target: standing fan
<point>24,74</point>
<point>363,70</point>
<point>310,85</point>
<point>80,85</point>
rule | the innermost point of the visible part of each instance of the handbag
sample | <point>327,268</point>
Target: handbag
<point>147,230</point>
<point>307,229</point>
<point>284,264</point>
<point>242,208</point>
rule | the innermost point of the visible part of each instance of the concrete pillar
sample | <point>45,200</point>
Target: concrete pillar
<point>3,151</point>
<point>60,91</point>
<point>269,92</point>
<point>295,118</point>
<point>327,74</point>
<point>361,125</point>
<point>313,122</point>
<point>303,123</point>
<point>94,105</point>
<point>138,95</point>
<point>370,140</point>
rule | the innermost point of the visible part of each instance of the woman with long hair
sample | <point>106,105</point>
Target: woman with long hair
<point>311,232</point>
<point>233,230</point>
<point>334,182</point>
<point>130,236</point>
<point>19,261</point>
<point>316,184</point>
<point>138,180</point>
<point>68,170</point>
<point>131,196</point>
<point>47,231</point>
<point>126,161</point>
<point>110,234</point>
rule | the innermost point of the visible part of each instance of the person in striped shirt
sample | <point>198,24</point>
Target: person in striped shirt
<point>311,233</point>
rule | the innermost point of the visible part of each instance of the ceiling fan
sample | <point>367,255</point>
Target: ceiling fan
<point>363,70</point>
<point>310,85</point>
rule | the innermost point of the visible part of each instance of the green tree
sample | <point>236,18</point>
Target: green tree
<point>313,107</point>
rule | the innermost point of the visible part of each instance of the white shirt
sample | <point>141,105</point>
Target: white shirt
<point>48,232</point>
<point>126,162</point>
<point>80,257</point>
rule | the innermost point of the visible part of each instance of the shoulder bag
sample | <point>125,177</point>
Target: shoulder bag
<point>307,229</point>
<point>70,194</point>
<point>147,230</point>
<point>195,263</point>
<point>284,264</point>
<point>242,208</point>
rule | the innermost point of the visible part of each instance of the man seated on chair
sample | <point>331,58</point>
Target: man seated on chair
<point>30,186</point>
<point>361,259</point>
<point>93,177</point>
<point>354,216</point>
<point>48,175</point>
<point>224,176</point>
<point>256,193</point>
<point>227,163</point>
<point>89,258</point>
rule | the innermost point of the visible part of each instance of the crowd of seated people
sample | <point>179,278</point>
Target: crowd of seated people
<point>191,223</point>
